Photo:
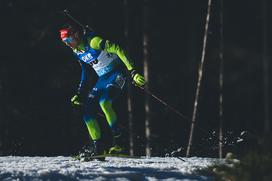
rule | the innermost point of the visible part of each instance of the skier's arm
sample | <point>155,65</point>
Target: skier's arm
<point>100,44</point>
<point>85,78</point>
<point>83,85</point>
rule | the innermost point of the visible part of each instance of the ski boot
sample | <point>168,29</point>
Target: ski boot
<point>91,152</point>
<point>98,150</point>
<point>116,143</point>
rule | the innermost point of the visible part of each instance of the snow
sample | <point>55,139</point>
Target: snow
<point>65,168</point>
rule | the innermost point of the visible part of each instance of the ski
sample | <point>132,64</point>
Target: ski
<point>116,155</point>
<point>102,157</point>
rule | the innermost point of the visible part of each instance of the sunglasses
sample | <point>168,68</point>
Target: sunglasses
<point>67,40</point>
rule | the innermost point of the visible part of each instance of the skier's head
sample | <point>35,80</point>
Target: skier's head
<point>70,36</point>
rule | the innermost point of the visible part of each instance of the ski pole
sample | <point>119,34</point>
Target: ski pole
<point>162,102</point>
<point>177,112</point>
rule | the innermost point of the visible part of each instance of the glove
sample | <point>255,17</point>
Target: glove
<point>137,78</point>
<point>76,100</point>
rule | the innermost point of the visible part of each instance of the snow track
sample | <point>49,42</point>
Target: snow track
<point>64,168</point>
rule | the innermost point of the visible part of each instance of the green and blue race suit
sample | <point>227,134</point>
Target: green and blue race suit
<point>108,60</point>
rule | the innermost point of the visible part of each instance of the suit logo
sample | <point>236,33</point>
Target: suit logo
<point>93,62</point>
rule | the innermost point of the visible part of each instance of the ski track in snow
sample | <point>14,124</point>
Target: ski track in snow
<point>65,168</point>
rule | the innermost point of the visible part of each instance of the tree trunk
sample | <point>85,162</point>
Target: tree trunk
<point>200,73</point>
<point>265,69</point>
<point>146,54</point>
<point>221,71</point>
<point>129,88</point>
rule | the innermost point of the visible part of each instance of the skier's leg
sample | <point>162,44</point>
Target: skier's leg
<point>106,104</point>
<point>93,128</point>
<point>90,112</point>
<point>113,87</point>
<point>89,117</point>
<point>107,107</point>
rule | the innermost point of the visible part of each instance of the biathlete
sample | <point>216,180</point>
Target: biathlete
<point>109,62</point>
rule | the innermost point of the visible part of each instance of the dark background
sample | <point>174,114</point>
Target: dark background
<point>39,75</point>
